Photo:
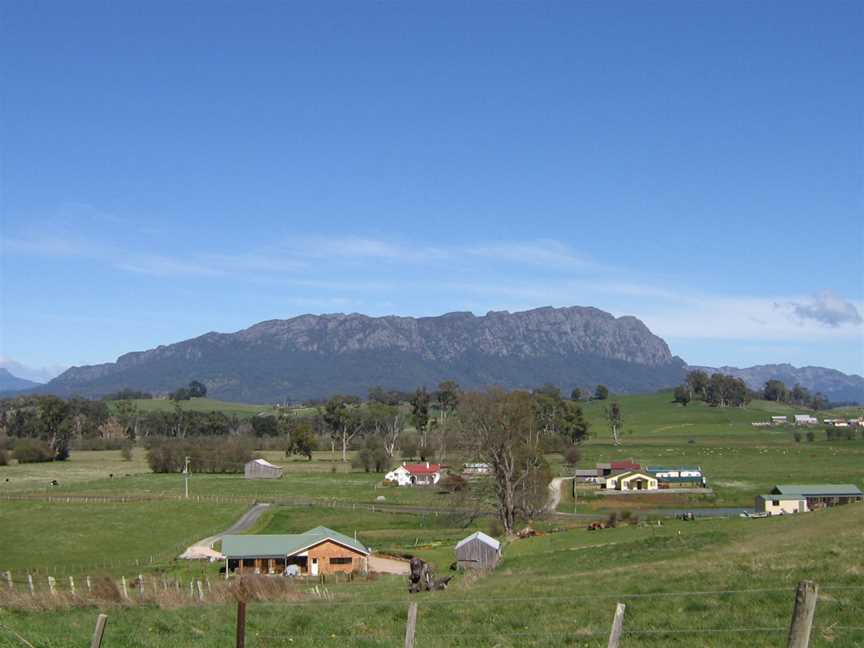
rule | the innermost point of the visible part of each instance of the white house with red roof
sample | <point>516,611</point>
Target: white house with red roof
<point>415,474</point>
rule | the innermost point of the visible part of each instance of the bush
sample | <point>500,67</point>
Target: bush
<point>33,451</point>
<point>797,436</point>
<point>205,456</point>
<point>126,452</point>
<point>573,455</point>
<point>453,484</point>
<point>811,437</point>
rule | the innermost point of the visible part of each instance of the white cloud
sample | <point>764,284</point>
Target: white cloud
<point>826,308</point>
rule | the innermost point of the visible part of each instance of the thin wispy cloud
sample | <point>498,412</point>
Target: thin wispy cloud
<point>826,308</point>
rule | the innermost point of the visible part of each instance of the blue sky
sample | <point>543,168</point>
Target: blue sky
<point>173,168</point>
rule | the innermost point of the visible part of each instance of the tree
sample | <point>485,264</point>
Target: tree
<point>775,390</point>
<point>502,429</point>
<point>388,423</point>
<point>301,438</point>
<point>127,416</point>
<point>615,419</point>
<point>53,427</point>
<point>601,393</point>
<point>573,426</point>
<point>447,397</point>
<point>697,384</point>
<point>820,402</point>
<point>343,422</point>
<point>180,394</point>
<point>265,425</point>
<point>682,394</point>
<point>576,394</point>
<point>197,389</point>
<point>420,414</point>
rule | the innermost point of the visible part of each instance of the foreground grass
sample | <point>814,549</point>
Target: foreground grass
<point>60,539</point>
<point>554,590</point>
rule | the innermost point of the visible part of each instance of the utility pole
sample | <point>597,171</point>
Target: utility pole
<point>186,476</point>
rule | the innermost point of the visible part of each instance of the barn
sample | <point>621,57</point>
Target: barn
<point>317,551</point>
<point>262,469</point>
<point>478,551</point>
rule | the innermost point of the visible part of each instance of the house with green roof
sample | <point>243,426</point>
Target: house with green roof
<point>800,498</point>
<point>317,551</point>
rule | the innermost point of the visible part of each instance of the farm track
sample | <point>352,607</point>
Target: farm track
<point>203,549</point>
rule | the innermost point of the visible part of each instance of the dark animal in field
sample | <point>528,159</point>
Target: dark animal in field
<point>420,578</point>
<point>441,584</point>
<point>54,482</point>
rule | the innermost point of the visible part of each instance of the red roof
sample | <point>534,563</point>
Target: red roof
<point>624,465</point>
<point>423,468</point>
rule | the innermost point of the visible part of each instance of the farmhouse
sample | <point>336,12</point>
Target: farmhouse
<point>262,469</point>
<point>604,469</point>
<point>678,477</point>
<point>478,551</point>
<point>476,469</point>
<point>631,480</point>
<point>779,420</point>
<point>418,474</point>
<point>806,419</point>
<point>818,496</point>
<point>780,504</point>
<point>318,551</point>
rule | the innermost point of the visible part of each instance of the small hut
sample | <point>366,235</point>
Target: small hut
<point>478,551</point>
<point>262,469</point>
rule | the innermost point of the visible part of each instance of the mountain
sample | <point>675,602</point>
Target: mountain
<point>11,383</point>
<point>837,386</point>
<point>313,356</point>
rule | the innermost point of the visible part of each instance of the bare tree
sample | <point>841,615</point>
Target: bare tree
<point>501,429</point>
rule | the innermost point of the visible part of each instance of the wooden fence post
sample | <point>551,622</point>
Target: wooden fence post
<point>200,590</point>
<point>72,585</point>
<point>125,591</point>
<point>9,580</point>
<point>241,625</point>
<point>802,615</point>
<point>617,626</point>
<point>99,632</point>
<point>51,584</point>
<point>89,585</point>
<point>411,625</point>
<point>140,586</point>
<point>30,584</point>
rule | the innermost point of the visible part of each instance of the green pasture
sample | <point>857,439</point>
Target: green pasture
<point>713,583</point>
<point>197,405</point>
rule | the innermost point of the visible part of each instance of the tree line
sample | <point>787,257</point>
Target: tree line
<point>717,390</point>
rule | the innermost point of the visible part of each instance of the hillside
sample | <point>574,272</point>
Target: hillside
<point>313,356</point>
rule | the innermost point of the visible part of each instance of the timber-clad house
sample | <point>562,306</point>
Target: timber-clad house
<point>318,551</point>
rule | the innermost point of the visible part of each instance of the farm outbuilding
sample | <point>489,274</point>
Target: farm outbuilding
<point>262,469</point>
<point>478,551</point>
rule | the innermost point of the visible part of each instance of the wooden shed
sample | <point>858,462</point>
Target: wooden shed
<point>262,469</point>
<point>478,551</point>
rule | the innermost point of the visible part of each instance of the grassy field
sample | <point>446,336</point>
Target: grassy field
<point>555,589</point>
<point>197,405</point>
<point>707,583</point>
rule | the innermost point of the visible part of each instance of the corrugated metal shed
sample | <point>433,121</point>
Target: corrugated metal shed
<point>262,469</point>
<point>478,551</point>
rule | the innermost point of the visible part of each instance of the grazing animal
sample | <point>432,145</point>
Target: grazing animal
<point>54,482</point>
<point>420,578</point>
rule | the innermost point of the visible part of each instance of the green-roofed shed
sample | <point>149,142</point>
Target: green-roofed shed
<point>317,551</point>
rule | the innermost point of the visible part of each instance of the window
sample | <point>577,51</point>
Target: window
<point>340,560</point>
<point>775,502</point>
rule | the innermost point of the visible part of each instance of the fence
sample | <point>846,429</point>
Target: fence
<point>243,591</point>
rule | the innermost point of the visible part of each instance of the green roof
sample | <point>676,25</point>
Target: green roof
<point>785,498</point>
<point>263,546</point>
<point>817,490</point>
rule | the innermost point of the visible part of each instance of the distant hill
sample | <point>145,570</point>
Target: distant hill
<point>11,383</point>
<point>837,386</point>
<point>314,356</point>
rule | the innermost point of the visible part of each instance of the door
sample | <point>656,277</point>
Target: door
<point>313,568</point>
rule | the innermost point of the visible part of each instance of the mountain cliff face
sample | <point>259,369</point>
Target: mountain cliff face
<point>317,355</point>
<point>837,386</point>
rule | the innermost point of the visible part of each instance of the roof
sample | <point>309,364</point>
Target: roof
<point>624,465</point>
<point>482,537</point>
<point>275,545</point>
<point>680,480</point>
<point>422,469</point>
<point>817,490</point>
<point>627,474</point>
<point>675,468</point>
<point>585,472</point>
<point>265,463</point>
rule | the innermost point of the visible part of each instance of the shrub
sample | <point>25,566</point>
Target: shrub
<point>453,483</point>
<point>811,437</point>
<point>33,451</point>
<point>205,456</point>
<point>573,455</point>
<point>126,452</point>
<point>797,436</point>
